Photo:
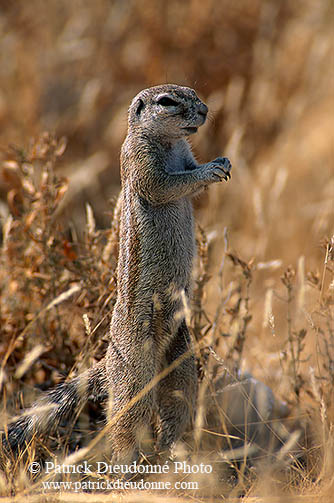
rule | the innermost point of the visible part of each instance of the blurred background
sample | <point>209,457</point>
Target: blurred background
<point>263,68</point>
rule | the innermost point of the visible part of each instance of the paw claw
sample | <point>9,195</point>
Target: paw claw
<point>219,169</point>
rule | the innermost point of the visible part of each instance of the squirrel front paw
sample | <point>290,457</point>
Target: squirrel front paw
<point>224,164</point>
<point>219,169</point>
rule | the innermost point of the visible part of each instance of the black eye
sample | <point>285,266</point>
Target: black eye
<point>167,102</point>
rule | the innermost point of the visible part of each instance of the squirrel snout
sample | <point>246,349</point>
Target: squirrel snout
<point>203,110</point>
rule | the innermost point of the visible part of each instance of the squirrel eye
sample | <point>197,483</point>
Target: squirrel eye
<point>167,102</point>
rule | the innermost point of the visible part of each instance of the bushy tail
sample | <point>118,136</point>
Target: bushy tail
<point>57,405</point>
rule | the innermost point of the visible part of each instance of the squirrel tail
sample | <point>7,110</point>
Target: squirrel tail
<point>57,405</point>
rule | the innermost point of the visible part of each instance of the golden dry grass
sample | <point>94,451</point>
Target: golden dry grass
<point>264,281</point>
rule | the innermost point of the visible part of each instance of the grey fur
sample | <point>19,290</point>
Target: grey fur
<point>156,248</point>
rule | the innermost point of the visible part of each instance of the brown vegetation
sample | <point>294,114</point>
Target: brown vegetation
<point>264,279</point>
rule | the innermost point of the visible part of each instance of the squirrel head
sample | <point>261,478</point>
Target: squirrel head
<point>167,112</point>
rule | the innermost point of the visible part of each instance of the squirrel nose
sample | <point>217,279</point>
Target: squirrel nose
<point>203,109</point>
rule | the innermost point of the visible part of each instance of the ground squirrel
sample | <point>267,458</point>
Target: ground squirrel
<point>156,248</point>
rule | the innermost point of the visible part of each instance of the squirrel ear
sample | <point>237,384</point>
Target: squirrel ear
<point>140,106</point>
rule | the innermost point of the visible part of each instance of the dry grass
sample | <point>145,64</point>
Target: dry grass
<point>264,282</point>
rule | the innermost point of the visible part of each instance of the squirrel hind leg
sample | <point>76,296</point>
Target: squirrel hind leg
<point>177,392</point>
<point>130,432</point>
<point>130,407</point>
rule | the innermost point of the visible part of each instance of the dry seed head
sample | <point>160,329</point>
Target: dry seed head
<point>331,249</point>
<point>323,412</point>
<point>87,324</point>
<point>62,191</point>
<point>313,278</point>
<point>288,276</point>
<point>247,267</point>
<point>268,317</point>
